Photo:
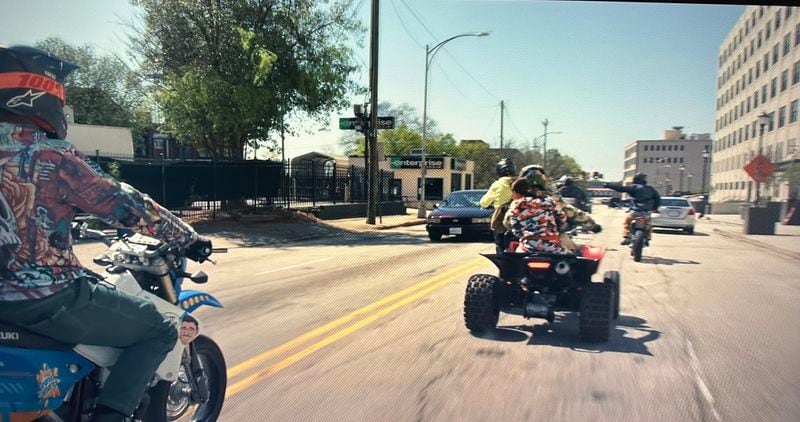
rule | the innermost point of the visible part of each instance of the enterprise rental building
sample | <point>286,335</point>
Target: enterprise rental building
<point>444,175</point>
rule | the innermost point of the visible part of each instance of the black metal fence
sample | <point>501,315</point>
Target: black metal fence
<point>205,188</point>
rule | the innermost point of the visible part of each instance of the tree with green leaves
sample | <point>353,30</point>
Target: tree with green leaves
<point>104,90</point>
<point>230,73</point>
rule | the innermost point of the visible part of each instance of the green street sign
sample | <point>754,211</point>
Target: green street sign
<point>349,123</point>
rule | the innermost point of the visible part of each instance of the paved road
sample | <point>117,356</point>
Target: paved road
<point>370,327</point>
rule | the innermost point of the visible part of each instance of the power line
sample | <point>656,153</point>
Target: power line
<point>403,23</point>
<point>490,124</point>
<point>514,124</point>
<point>447,52</point>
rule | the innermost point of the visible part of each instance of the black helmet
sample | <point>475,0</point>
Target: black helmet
<point>32,85</point>
<point>640,179</point>
<point>566,180</point>
<point>505,167</point>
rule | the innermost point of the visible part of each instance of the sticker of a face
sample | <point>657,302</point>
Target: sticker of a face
<point>189,332</point>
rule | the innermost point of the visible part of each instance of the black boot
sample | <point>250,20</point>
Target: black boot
<point>625,241</point>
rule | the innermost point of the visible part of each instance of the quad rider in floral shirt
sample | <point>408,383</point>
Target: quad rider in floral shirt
<point>534,218</point>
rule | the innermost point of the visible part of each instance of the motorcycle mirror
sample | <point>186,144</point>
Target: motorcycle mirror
<point>199,277</point>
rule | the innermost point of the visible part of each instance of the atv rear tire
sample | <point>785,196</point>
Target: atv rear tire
<point>612,277</point>
<point>638,245</point>
<point>597,305</point>
<point>481,310</point>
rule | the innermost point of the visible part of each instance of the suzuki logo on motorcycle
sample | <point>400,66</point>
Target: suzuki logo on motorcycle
<point>9,335</point>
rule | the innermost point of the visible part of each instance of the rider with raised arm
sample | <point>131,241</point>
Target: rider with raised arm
<point>43,287</point>
<point>645,200</point>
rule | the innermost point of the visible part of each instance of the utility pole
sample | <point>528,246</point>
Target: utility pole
<point>544,151</point>
<point>502,112</point>
<point>373,115</point>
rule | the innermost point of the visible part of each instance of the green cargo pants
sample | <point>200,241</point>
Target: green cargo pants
<point>89,312</point>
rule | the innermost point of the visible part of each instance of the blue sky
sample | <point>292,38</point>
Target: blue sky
<point>603,74</point>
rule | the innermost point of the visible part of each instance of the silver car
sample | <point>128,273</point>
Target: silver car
<point>675,213</point>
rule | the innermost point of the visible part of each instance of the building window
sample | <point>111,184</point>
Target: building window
<point>758,69</point>
<point>782,116</point>
<point>793,111</point>
<point>777,19</point>
<point>759,39</point>
<point>797,35</point>
<point>779,151</point>
<point>784,80</point>
<point>788,12</point>
<point>681,160</point>
<point>773,88</point>
<point>769,30</point>
<point>771,121</point>
<point>787,43</point>
<point>682,147</point>
<point>766,62</point>
<point>755,99</point>
<point>764,94</point>
<point>776,53</point>
<point>796,72</point>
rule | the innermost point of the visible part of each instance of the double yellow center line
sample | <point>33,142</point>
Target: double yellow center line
<point>357,319</point>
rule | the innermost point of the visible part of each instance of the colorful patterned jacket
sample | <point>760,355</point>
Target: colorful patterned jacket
<point>537,222</point>
<point>42,184</point>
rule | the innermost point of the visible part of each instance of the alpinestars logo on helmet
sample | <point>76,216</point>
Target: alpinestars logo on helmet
<point>25,99</point>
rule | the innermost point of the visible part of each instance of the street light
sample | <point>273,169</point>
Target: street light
<point>763,120</point>
<point>680,181</point>
<point>689,179</point>
<point>544,151</point>
<point>429,55</point>
<point>703,183</point>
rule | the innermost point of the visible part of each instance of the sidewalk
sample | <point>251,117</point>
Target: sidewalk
<point>381,223</point>
<point>260,231</point>
<point>786,240</point>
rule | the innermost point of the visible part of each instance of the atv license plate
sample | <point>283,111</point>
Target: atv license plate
<point>455,230</point>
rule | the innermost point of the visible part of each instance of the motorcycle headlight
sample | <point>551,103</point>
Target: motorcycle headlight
<point>486,220</point>
<point>434,220</point>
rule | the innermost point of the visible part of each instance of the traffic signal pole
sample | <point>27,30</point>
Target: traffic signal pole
<point>372,136</point>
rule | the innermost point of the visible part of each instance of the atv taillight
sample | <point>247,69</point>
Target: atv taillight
<point>539,265</point>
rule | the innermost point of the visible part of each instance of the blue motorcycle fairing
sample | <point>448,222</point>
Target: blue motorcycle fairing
<point>190,300</point>
<point>37,379</point>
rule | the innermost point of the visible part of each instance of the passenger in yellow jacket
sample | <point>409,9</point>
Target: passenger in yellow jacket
<point>498,197</point>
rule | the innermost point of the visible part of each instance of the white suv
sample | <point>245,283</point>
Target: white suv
<point>675,213</point>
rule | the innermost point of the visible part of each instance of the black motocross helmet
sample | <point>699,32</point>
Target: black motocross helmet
<point>505,167</point>
<point>32,86</point>
<point>640,179</point>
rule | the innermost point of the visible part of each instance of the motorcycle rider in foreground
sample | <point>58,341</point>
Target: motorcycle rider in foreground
<point>43,181</point>
<point>645,199</point>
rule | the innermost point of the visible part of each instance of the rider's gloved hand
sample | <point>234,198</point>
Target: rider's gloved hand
<point>597,228</point>
<point>199,250</point>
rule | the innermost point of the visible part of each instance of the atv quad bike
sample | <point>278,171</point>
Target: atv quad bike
<point>538,285</point>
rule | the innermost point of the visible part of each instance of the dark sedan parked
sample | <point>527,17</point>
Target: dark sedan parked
<point>460,214</point>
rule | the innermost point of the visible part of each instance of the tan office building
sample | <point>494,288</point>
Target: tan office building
<point>672,164</point>
<point>758,71</point>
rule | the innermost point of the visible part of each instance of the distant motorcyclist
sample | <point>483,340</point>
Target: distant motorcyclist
<point>645,199</point>
<point>569,189</point>
<point>498,197</point>
<point>575,216</point>
<point>43,286</point>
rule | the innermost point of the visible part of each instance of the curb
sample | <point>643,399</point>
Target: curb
<point>405,224</point>
<point>753,242</point>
